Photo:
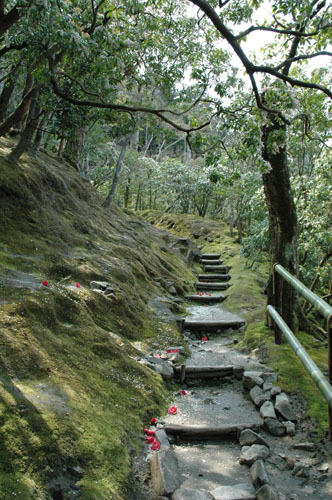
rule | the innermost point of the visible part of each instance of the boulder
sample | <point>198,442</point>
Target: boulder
<point>258,474</point>
<point>258,396</point>
<point>283,407</point>
<point>274,427</point>
<point>290,428</point>
<point>249,454</point>
<point>249,437</point>
<point>251,378</point>
<point>164,368</point>
<point>266,493</point>
<point>267,410</point>
<point>241,491</point>
<point>165,476</point>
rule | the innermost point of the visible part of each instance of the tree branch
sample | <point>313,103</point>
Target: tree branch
<point>302,57</point>
<point>284,31</point>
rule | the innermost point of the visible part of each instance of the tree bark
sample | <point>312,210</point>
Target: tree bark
<point>6,94</point>
<point>40,133</point>
<point>27,134</point>
<point>74,147</point>
<point>117,171</point>
<point>282,221</point>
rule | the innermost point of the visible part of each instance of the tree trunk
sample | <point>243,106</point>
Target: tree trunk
<point>127,193</point>
<point>26,138</point>
<point>18,115</point>
<point>40,133</point>
<point>282,221</point>
<point>74,147</point>
<point>61,147</point>
<point>117,171</point>
<point>6,94</point>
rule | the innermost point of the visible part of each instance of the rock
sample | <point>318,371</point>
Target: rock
<point>267,386</point>
<point>300,469</point>
<point>274,427</point>
<point>323,467</point>
<point>266,493</point>
<point>258,396</point>
<point>305,446</point>
<point>275,390</point>
<point>290,428</point>
<point>165,476</point>
<point>270,377</point>
<point>238,372</point>
<point>189,494</point>
<point>267,410</point>
<point>172,290</point>
<point>164,368</point>
<point>249,454</point>
<point>250,379</point>
<point>243,491</point>
<point>283,407</point>
<point>99,285</point>
<point>289,462</point>
<point>249,437</point>
<point>258,474</point>
<point>161,436</point>
<point>76,471</point>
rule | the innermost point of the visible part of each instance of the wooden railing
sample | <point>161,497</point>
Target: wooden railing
<point>325,309</point>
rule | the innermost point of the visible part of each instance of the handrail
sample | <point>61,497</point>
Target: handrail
<point>313,370</point>
<point>326,310</point>
<point>323,307</point>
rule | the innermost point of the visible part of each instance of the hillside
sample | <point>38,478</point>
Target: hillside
<point>74,399</point>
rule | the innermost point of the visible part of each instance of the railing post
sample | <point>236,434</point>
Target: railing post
<point>329,336</point>
<point>276,282</point>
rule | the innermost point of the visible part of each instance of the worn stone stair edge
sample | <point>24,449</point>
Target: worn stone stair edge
<point>210,255</point>
<point>212,286</point>
<point>206,298</point>
<point>222,269</point>
<point>214,277</point>
<point>211,262</point>
<point>204,431</point>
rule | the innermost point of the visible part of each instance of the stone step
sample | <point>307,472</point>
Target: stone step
<point>211,325</point>
<point>211,262</point>
<point>214,277</point>
<point>209,431</point>
<point>206,299</point>
<point>210,256</point>
<point>203,371</point>
<point>216,269</point>
<point>212,285</point>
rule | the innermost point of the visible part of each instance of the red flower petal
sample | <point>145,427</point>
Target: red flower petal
<point>205,339</point>
<point>153,420</point>
<point>155,445</point>
<point>78,285</point>
<point>149,432</point>
<point>183,392</point>
<point>171,350</point>
<point>45,283</point>
<point>156,356</point>
<point>149,439</point>
<point>173,410</point>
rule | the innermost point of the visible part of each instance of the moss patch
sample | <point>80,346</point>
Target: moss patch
<point>72,392</point>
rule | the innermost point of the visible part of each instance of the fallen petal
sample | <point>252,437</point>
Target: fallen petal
<point>153,420</point>
<point>45,283</point>
<point>204,339</point>
<point>149,432</point>
<point>155,446</point>
<point>173,410</point>
<point>183,392</point>
<point>78,285</point>
<point>149,439</point>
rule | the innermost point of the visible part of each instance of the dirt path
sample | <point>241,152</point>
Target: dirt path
<point>276,462</point>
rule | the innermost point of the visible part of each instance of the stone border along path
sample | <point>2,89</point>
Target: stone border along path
<point>231,435</point>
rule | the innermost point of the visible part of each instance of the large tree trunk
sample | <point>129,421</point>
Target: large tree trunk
<point>6,94</point>
<point>74,147</point>
<point>25,141</point>
<point>282,221</point>
<point>116,176</point>
<point>38,140</point>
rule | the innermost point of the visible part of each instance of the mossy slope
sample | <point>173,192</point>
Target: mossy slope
<point>246,297</point>
<point>71,391</point>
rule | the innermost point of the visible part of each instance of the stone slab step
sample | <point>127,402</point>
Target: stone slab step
<point>204,371</point>
<point>209,431</point>
<point>212,285</point>
<point>211,325</point>
<point>205,299</point>
<point>210,256</point>
<point>214,277</point>
<point>212,262</point>
<point>216,269</point>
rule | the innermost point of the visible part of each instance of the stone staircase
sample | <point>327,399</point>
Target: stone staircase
<point>232,434</point>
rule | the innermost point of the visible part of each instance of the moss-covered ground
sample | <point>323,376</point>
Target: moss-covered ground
<point>72,392</point>
<point>246,297</point>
